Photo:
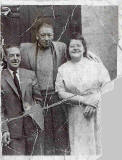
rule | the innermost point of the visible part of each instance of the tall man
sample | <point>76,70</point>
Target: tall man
<point>21,135</point>
<point>44,57</point>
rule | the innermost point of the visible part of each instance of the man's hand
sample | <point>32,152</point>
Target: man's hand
<point>94,57</point>
<point>27,106</point>
<point>6,138</point>
<point>89,111</point>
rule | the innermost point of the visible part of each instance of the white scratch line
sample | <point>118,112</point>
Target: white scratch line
<point>65,27</point>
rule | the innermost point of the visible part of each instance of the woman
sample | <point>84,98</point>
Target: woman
<point>82,79</point>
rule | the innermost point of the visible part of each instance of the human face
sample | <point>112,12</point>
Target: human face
<point>13,58</point>
<point>45,36</point>
<point>76,49</point>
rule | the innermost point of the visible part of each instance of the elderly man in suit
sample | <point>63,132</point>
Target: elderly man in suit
<point>21,135</point>
<point>44,57</point>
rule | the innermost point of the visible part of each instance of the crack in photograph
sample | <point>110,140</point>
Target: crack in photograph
<point>56,63</point>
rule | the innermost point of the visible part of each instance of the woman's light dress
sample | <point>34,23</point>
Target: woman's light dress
<point>79,78</point>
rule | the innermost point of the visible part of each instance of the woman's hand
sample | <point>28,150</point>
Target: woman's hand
<point>89,111</point>
<point>92,99</point>
<point>93,57</point>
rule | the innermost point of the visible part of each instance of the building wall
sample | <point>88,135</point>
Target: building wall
<point>15,27</point>
<point>100,29</point>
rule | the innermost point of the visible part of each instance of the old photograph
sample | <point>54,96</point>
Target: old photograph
<point>56,63</point>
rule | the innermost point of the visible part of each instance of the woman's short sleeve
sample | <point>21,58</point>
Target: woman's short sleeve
<point>104,76</point>
<point>59,84</point>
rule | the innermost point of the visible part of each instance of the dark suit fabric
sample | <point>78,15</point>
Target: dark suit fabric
<point>30,91</point>
<point>21,129</point>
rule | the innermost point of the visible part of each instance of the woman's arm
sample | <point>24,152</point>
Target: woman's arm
<point>104,78</point>
<point>87,99</point>
<point>91,99</point>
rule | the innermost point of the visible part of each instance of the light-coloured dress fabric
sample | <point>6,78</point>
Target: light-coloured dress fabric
<point>80,78</point>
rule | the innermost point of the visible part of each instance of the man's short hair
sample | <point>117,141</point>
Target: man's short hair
<point>43,22</point>
<point>5,47</point>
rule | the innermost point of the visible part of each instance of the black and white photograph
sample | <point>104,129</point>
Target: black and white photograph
<point>57,61</point>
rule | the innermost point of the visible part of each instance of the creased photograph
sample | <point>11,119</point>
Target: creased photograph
<point>57,61</point>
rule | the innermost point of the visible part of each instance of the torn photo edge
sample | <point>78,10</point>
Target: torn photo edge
<point>96,3</point>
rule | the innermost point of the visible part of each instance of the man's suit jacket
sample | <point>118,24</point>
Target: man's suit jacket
<point>11,104</point>
<point>30,92</point>
<point>28,52</point>
<point>28,85</point>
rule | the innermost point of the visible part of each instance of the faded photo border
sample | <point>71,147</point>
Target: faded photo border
<point>111,102</point>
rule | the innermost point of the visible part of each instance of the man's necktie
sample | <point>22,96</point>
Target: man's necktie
<point>16,81</point>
